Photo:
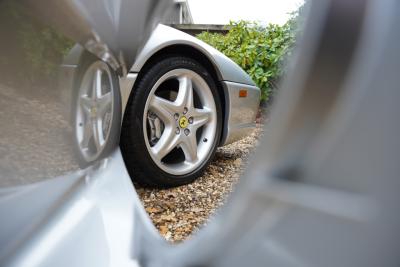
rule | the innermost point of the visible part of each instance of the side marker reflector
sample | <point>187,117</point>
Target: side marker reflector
<point>243,93</point>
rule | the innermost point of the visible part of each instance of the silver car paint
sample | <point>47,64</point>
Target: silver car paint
<point>164,36</point>
<point>126,86</point>
<point>240,112</point>
<point>85,219</point>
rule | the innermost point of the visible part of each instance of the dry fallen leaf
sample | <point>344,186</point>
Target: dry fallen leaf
<point>153,210</point>
<point>163,229</point>
<point>168,218</point>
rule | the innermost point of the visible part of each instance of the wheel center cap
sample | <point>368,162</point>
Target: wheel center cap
<point>183,122</point>
<point>93,111</point>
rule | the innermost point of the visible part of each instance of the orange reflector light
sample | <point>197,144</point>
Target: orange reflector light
<point>243,93</point>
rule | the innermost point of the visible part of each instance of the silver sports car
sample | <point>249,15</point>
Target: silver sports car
<point>179,102</point>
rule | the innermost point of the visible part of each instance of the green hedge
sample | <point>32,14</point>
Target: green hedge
<point>259,50</point>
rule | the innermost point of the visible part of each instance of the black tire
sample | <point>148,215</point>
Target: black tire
<point>139,163</point>
<point>87,59</point>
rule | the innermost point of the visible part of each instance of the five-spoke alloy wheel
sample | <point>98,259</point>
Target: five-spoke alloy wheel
<point>173,123</point>
<point>96,118</point>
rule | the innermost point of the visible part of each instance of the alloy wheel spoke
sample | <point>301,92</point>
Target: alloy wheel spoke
<point>201,117</point>
<point>104,104</point>
<point>97,84</point>
<point>87,103</point>
<point>98,137</point>
<point>185,92</point>
<point>163,108</point>
<point>87,134</point>
<point>189,147</point>
<point>168,141</point>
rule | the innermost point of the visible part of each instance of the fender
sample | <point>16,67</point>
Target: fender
<point>164,36</point>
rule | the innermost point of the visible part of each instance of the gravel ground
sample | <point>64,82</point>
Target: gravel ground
<point>179,212</point>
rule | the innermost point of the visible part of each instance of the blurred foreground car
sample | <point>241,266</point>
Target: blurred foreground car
<point>180,101</point>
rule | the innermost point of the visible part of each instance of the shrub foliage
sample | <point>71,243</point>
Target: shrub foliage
<point>259,50</point>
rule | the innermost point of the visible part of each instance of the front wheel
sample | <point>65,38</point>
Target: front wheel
<point>173,123</point>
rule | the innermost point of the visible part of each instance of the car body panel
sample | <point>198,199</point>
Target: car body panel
<point>240,112</point>
<point>86,219</point>
<point>127,84</point>
<point>230,76</point>
<point>164,36</point>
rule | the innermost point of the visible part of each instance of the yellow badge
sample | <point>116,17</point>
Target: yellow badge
<point>93,111</point>
<point>183,122</point>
